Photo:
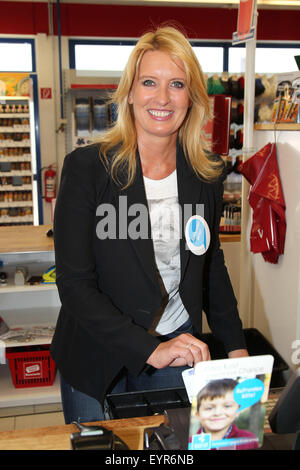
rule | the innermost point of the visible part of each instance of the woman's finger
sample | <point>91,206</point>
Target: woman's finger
<point>200,352</point>
<point>183,350</point>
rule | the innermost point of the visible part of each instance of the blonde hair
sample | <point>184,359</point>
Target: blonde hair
<point>121,139</point>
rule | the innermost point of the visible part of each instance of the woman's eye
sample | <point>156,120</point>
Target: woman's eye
<point>177,84</point>
<point>148,82</point>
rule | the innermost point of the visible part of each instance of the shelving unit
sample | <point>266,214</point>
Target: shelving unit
<point>17,195</point>
<point>25,396</point>
<point>27,306</point>
<point>86,109</point>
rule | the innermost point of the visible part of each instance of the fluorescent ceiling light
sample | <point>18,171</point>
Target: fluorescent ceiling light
<point>208,3</point>
<point>283,3</point>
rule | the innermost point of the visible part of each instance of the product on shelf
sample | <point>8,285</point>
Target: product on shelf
<point>286,105</point>
<point>15,164</point>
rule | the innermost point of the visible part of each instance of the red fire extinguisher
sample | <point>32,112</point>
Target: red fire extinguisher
<point>50,184</point>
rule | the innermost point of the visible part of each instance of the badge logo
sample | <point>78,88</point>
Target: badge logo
<point>197,235</point>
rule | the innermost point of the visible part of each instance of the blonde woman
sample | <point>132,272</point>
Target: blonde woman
<point>136,238</point>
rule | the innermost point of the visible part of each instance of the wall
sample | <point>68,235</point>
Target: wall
<point>275,288</point>
<point>108,20</point>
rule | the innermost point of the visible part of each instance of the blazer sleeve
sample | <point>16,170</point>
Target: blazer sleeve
<point>219,302</point>
<point>76,272</point>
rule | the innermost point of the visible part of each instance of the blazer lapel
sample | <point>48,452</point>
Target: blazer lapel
<point>189,195</point>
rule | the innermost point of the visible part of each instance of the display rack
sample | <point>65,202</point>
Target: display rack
<point>18,195</point>
<point>86,107</point>
<point>233,85</point>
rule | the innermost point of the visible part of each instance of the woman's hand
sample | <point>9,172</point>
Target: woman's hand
<point>238,353</point>
<point>183,350</point>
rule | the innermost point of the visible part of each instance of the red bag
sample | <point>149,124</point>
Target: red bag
<point>267,201</point>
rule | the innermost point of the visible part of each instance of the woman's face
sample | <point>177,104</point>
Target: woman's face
<point>159,95</point>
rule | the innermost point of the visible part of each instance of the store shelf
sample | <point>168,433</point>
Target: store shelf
<point>15,129</point>
<point>14,115</point>
<point>14,98</point>
<point>280,126</point>
<point>230,237</point>
<point>28,319</point>
<point>10,187</point>
<point>16,204</point>
<point>11,288</point>
<point>16,143</point>
<point>7,219</point>
<point>11,396</point>
<point>16,173</point>
<point>15,158</point>
<point>34,342</point>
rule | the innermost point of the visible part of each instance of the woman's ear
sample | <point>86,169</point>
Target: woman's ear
<point>130,97</point>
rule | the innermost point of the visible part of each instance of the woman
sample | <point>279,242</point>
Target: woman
<point>132,292</point>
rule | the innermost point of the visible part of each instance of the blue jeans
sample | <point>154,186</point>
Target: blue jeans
<point>78,406</point>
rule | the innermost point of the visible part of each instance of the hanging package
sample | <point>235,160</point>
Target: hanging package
<point>267,201</point>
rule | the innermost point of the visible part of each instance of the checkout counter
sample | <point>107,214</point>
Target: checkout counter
<point>131,429</point>
<point>131,432</point>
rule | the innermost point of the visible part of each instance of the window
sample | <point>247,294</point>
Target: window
<point>95,56</point>
<point>237,60</point>
<point>210,58</point>
<point>16,56</point>
<point>275,60</point>
<point>101,57</point>
<point>214,57</point>
<point>267,59</point>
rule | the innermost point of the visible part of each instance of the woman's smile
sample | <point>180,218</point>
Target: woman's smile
<point>160,114</point>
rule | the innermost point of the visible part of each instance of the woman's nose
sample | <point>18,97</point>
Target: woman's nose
<point>163,95</point>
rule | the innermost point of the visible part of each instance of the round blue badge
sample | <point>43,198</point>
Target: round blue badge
<point>197,235</point>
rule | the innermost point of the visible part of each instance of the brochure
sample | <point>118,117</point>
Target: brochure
<point>228,398</point>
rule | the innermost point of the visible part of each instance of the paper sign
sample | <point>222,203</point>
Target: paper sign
<point>245,28</point>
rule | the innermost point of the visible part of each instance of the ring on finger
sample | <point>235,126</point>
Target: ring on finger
<point>188,345</point>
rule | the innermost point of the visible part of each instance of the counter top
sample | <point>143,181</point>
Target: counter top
<point>25,238</point>
<point>130,430</point>
<point>33,238</point>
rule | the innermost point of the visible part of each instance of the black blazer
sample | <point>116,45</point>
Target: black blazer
<point>109,289</point>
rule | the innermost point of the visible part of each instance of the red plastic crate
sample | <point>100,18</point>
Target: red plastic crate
<point>31,367</point>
